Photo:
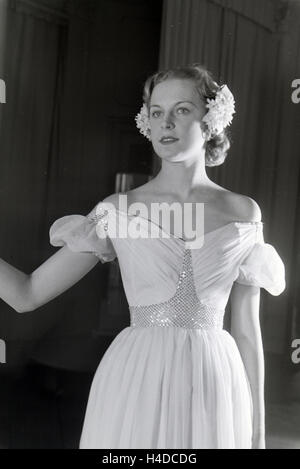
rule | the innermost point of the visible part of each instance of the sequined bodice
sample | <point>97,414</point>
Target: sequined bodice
<point>168,284</point>
<point>184,309</point>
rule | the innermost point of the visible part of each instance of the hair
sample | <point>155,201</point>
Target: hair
<point>218,145</point>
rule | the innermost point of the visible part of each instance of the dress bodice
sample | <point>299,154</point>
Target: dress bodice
<point>166,279</point>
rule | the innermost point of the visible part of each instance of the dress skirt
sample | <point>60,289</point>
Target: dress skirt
<point>169,388</point>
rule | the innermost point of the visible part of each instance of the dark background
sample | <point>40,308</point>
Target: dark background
<point>74,73</point>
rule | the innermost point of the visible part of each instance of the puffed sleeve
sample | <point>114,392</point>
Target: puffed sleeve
<point>263,267</point>
<point>84,233</point>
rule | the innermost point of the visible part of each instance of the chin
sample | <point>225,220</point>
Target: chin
<point>169,152</point>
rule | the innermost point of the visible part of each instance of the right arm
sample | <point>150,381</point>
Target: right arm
<point>27,292</point>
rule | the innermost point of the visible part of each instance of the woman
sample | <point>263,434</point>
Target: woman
<point>174,378</point>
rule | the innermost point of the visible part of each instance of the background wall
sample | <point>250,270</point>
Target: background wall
<point>253,46</point>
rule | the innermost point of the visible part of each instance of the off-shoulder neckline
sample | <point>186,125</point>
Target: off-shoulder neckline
<point>172,235</point>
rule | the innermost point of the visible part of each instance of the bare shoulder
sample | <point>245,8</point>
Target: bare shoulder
<point>120,200</point>
<point>112,199</point>
<point>242,207</point>
<point>227,204</point>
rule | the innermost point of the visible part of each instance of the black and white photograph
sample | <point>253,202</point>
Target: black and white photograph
<point>150,226</point>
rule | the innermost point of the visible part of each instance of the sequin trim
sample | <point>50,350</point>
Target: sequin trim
<point>183,310</point>
<point>100,217</point>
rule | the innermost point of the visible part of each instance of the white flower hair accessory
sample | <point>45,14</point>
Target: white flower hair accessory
<point>142,122</point>
<point>221,109</point>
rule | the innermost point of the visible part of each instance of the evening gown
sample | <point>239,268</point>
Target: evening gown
<point>174,378</point>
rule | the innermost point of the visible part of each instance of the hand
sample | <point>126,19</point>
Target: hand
<point>258,441</point>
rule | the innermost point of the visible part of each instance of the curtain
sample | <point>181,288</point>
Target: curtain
<point>30,133</point>
<point>253,46</point>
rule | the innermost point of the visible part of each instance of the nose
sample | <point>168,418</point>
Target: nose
<point>167,122</point>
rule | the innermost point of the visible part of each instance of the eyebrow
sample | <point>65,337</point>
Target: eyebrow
<point>179,102</point>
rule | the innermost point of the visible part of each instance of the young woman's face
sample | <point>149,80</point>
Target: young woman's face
<point>176,111</point>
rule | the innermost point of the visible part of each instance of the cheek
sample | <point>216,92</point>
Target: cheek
<point>154,126</point>
<point>193,129</point>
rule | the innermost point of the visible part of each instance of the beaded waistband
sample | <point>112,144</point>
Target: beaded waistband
<point>173,314</point>
<point>184,309</point>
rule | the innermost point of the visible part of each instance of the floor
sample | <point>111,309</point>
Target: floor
<point>283,426</point>
<point>42,408</point>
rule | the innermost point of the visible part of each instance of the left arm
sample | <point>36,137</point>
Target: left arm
<point>245,329</point>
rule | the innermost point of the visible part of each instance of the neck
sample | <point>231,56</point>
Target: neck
<point>183,178</point>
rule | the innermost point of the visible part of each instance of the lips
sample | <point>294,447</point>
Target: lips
<point>168,140</point>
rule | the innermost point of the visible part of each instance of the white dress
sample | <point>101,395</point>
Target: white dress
<point>174,378</point>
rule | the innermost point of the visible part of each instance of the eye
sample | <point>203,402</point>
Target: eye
<point>155,113</point>
<point>183,109</point>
